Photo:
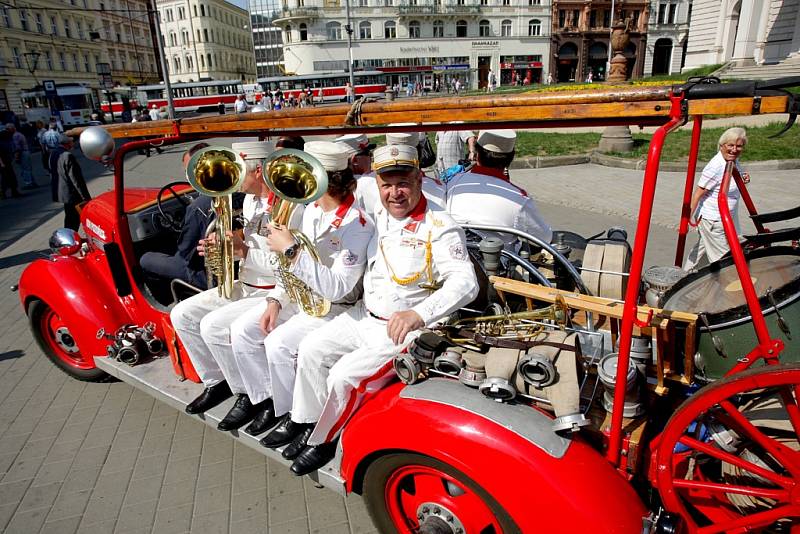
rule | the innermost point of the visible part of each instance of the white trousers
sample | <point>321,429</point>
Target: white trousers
<point>711,244</point>
<point>204,323</point>
<point>346,358</point>
<point>280,351</point>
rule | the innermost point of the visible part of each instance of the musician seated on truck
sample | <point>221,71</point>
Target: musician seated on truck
<point>203,322</point>
<point>484,195</point>
<point>712,243</point>
<point>339,233</point>
<point>418,272</point>
<point>186,264</point>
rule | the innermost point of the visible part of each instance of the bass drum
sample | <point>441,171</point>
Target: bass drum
<point>715,291</point>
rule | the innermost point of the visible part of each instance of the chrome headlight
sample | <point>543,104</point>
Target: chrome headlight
<point>65,242</point>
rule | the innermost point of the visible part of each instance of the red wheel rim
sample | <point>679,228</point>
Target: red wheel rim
<point>58,338</point>
<point>416,492</point>
<point>717,432</point>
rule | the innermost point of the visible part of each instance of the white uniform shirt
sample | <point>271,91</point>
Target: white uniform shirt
<point>399,250</point>
<point>256,268</point>
<point>711,179</point>
<point>341,237</point>
<point>477,198</point>
<point>369,199</point>
<point>153,114</point>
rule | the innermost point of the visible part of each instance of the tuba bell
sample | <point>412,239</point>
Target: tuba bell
<point>218,172</point>
<point>296,178</point>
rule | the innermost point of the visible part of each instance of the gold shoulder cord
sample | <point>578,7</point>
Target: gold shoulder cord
<point>428,270</point>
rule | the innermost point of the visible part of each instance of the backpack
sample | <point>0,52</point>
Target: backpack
<point>427,156</point>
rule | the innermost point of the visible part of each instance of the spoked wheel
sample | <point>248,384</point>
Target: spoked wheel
<point>55,339</point>
<point>729,458</point>
<point>410,493</point>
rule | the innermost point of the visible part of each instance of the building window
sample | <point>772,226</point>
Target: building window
<point>48,58</point>
<point>202,10</point>
<point>363,3</point>
<point>86,65</point>
<point>181,13</point>
<point>388,3</point>
<point>562,18</point>
<point>303,32</point>
<point>199,37</point>
<point>23,19</point>
<point>173,39</point>
<point>79,25</point>
<point>39,25</point>
<point>288,31</point>
<point>534,28</point>
<point>17,60</point>
<point>75,61</point>
<point>364,30</point>
<point>176,64</point>
<point>484,30</point>
<point>184,37</point>
<point>606,18</point>
<point>390,30</point>
<point>506,2</point>
<point>62,60</point>
<point>505,28</point>
<point>6,17</point>
<point>169,15</point>
<point>534,2</point>
<point>189,63</point>
<point>438,28</point>
<point>484,2</point>
<point>461,28</point>
<point>414,29</point>
<point>205,34</point>
<point>334,31</point>
<point>673,8</point>
<point>208,60</point>
<point>202,61</point>
<point>194,9</point>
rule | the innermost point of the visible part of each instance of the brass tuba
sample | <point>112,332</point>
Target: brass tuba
<point>218,172</point>
<point>296,178</point>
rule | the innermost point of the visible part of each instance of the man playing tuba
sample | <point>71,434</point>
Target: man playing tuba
<point>339,233</point>
<point>204,322</point>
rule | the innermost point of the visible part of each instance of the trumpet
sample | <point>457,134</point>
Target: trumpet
<point>218,172</point>
<point>296,178</point>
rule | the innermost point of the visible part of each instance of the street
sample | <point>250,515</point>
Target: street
<point>96,458</point>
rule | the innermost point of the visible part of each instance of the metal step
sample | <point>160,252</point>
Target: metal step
<point>156,378</point>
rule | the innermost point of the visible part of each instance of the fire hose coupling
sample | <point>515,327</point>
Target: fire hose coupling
<point>412,364</point>
<point>500,366</point>
<point>130,342</point>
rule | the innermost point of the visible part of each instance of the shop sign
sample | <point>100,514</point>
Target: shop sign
<point>416,68</point>
<point>485,44</point>
<point>453,67</point>
<point>535,64</point>
<point>506,65</point>
<point>430,49</point>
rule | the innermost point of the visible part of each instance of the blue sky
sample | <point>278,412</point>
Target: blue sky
<point>240,3</point>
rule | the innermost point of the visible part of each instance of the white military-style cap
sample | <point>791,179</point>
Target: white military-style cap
<point>253,149</point>
<point>333,156</point>
<point>501,141</point>
<point>403,138</point>
<point>354,142</point>
<point>392,158</point>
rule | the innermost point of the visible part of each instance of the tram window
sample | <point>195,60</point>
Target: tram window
<point>74,102</point>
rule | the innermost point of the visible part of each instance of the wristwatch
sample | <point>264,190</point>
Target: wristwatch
<point>292,251</point>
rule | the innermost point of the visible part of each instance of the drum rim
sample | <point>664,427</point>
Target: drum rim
<point>784,295</point>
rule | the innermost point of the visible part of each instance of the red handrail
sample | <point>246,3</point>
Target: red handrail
<point>688,189</point>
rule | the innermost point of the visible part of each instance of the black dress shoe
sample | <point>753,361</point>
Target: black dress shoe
<point>312,458</point>
<point>239,415</point>
<point>284,433</point>
<point>264,419</point>
<point>210,397</point>
<point>294,449</point>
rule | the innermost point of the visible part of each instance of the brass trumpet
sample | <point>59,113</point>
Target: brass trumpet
<point>218,172</point>
<point>296,178</point>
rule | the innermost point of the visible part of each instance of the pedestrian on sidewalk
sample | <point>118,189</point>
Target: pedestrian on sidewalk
<point>713,244</point>
<point>8,178</point>
<point>67,183</point>
<point>153,113</point>
<point>22,156</point>
<point>221,108</point>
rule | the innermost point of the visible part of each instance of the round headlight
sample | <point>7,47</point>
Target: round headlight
<point>96,143</point>
<point>65,242</point>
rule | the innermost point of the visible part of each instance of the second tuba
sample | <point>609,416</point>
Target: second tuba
<point>296,178</point>
<point>218,172</point>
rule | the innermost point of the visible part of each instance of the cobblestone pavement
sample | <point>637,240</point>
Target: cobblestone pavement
<point>95,458</point>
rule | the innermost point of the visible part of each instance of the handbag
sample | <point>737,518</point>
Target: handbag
<point>427,156</point>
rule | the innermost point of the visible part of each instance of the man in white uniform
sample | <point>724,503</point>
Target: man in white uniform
<point>485,195</point>
<point>340,234</point>
<point>418,273</point>
<point>204,322</point>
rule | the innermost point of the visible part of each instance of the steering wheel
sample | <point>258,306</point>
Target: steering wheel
<point>167,219</point>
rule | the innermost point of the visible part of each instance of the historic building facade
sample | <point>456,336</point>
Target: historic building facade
<point>65,40</point>
<point>580,37</point>
<point>425,41</point>
<point>206,40</point>
<point>743,31</point>
<point>667,33</point>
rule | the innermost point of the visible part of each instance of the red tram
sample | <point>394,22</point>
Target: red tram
<point>701,434</point>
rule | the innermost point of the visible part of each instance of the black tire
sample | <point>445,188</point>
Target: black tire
<point>380,471</point>
<point>39,313</point>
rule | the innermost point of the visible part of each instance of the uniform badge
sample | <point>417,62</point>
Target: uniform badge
<point>335,242</point>
<point>437,223</point>
<point>349,258</point>
<point>394,152</point>
<point>457,252</point>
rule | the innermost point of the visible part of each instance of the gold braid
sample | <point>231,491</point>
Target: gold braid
<point>428,270</point>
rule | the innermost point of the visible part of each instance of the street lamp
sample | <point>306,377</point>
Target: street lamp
<point>32,60</point>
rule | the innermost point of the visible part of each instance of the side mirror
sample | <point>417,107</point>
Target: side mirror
<point>65,242</point>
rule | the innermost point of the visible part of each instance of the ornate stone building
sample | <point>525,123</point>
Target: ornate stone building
<point>667,33</point>
<point>580,37</point>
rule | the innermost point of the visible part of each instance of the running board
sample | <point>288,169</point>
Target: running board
<point>157,379</point>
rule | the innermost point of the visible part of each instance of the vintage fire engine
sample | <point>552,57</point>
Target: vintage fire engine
<point>593,395</point>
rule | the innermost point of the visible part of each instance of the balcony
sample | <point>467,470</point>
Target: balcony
<point>407,10</point>
<point>309,13</point>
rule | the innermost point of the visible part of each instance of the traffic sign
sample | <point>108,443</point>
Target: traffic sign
<point>49,88</point>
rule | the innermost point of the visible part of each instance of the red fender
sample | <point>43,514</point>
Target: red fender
<point>81,291</point>
<point>576,490</point>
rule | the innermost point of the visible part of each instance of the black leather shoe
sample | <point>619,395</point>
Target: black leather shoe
<point>312,458</point>
<point>264,419</point>
<point>294,449</point>
<point>239,415</point>
<point>210,397</point>
<point>284,433</point>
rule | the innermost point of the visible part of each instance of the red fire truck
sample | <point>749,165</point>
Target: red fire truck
<point>595,395</point>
